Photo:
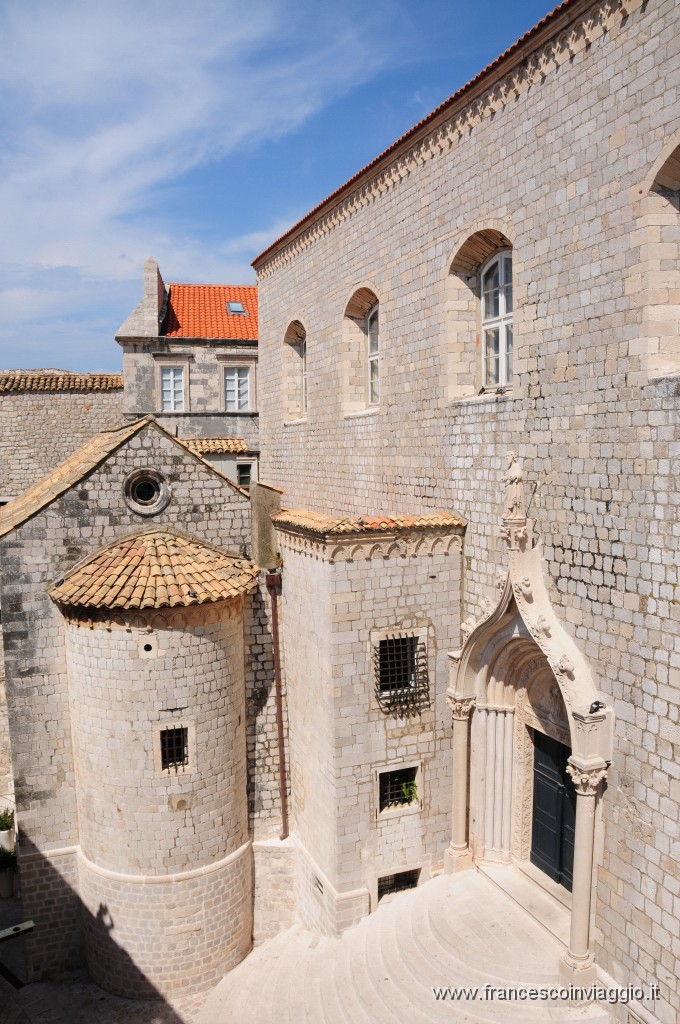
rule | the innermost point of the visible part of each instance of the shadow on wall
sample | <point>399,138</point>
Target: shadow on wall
<point>64,930</point>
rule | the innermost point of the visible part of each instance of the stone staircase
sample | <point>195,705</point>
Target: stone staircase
<point>454,931</point>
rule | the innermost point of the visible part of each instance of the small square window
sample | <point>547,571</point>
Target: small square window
<point>235,307</point>
<point>174,749</point>
<point>398,788</point>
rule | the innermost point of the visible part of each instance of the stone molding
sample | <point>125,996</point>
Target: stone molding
<point>527,72</point>
<point>180,876</point>
<point>461,707</point>
<point>150,619</point>
<point>362,548</point>
<point>586,780</point>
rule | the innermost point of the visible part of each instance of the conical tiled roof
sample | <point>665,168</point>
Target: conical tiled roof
<point>155,569</point>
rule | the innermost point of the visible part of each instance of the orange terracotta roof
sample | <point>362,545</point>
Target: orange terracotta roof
<point>155,569</point>
<point>315,522</point>
<point>65,475</point>
<point>47,380</point>
<point>215,445</point>
<point>515,53</point>
<point>200,311</point>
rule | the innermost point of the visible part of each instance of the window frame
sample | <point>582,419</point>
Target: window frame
<point>303,375</point>
<point>502,322</point>
<point>373,358</point>
<point>173,368</point>
<point>173,772</point>
<point>238,368</point>
<point>396,810</point>
<point>403,701</point>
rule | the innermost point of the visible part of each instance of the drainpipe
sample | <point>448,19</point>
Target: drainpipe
<point>273,585</point>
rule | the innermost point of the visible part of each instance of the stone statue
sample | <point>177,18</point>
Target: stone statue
<point>514,490</point>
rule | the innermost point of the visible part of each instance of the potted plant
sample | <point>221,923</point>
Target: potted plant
<point>8,867</point>
<point>7,832</point>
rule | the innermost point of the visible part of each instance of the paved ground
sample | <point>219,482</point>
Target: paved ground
<point>461,930</point>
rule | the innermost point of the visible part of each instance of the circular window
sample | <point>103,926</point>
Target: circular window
<point>146,492</point>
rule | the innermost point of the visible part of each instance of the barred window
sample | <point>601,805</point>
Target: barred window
<point>174,748</point>
<point>398,788</point>
<point>401,677</point>
<point>397,882</point>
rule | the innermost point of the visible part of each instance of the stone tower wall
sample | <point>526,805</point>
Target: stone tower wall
<point>146,832</point>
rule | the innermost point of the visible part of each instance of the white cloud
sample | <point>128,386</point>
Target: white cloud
<point>102,105</point>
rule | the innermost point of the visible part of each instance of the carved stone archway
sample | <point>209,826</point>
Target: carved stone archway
<point>518,670</point>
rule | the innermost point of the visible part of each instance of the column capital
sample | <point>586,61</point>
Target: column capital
<point>586,778</point>
<point>461,707</point>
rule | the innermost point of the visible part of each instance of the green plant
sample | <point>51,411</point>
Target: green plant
<point>6,820</point>
<point>8,860</point>
<point>409,791</point>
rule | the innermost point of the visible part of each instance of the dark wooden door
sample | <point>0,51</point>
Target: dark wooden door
<point>554,811</point>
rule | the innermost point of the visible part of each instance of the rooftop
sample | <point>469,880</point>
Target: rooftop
<point>155,569</point>
<point>200,311</point>
<point>215,445</point>
<point>325,525</point>
<point>59,380</point>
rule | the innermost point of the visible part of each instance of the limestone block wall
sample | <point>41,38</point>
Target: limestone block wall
<point>167,848</point>
<point>35,555</point>
<point>38,429</point>
<point>340,738</point>
<point>561,169</point>
<point>203,363</point>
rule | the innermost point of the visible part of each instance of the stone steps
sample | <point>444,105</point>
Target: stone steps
<point>454,931</point>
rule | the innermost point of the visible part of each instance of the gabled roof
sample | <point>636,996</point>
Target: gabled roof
<point>200,311</point>
<point>44,491</point>
<point>155,569</point>
<point>81,462</point>
<point>215,445</point>
<point>318,523</point>
<point>552,23</point>
<point>59,380</point>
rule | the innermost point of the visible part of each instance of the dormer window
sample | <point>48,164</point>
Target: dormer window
<point>235,307</point>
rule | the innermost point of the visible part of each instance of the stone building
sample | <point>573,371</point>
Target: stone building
<point>463,655</point>
<point>504,278</point>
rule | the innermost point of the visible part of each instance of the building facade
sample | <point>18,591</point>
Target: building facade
<point>462,651</point>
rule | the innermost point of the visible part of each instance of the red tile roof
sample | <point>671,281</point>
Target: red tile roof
<point>155,569</point>
<point>59,380</point>
<point>519,51</point>
<point>319,523</point>
<point>200,311</point>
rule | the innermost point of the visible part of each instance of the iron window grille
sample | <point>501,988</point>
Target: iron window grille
<point>174,749</point>
<point>398,788</point>
<point>401,678</point>
<point>397,882</point>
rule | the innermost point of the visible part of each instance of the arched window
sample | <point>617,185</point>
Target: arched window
<point>359,361</point>
<point>295,372</point>
<point>497,321</point>
<point>373,339</point>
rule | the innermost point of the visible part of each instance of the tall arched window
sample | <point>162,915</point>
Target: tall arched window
<point>373,339</point>
<point>497,321</point>
<point>303,374</point>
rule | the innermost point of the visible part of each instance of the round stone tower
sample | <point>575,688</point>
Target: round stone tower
<point>155,660</point>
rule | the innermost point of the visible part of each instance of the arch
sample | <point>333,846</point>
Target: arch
<point>359,357</point>
<point>462,307</point>
<point>295,371</point>
<point>658,268</point>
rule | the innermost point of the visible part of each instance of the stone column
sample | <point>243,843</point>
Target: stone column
<point>578,966</point>
<point>458,855</point>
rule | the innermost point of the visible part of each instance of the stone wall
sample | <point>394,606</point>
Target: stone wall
<point>38,429</point>
<point>203,363</point>
<point>341,737</point>
<point>557,159</point>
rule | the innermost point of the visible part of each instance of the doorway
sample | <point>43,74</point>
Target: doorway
<point>554,811</point>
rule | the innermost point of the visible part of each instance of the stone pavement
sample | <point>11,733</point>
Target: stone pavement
<point>456,930</point>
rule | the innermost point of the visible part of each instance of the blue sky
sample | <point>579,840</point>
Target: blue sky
<point>196,134</point>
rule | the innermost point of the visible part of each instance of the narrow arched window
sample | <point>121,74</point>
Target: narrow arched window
<point>303,374</point>
<point>373,339</point>
<point>497,321</point>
